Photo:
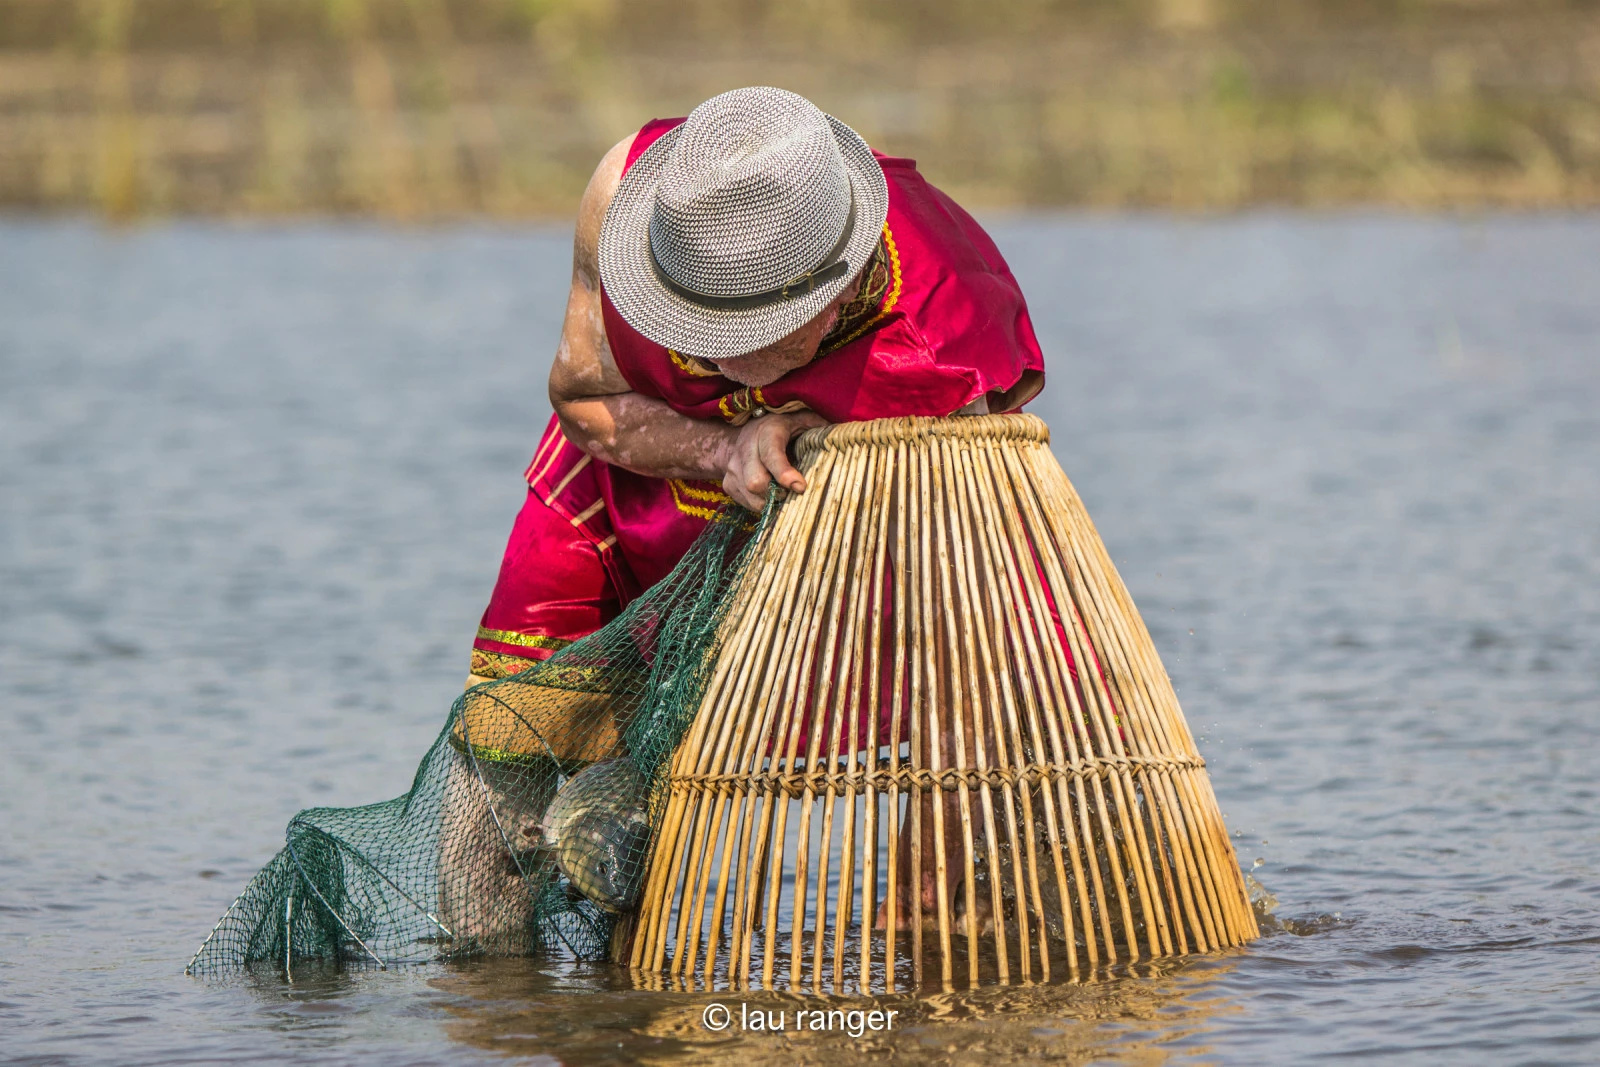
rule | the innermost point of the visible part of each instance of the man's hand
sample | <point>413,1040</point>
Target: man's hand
<point>760,453</point>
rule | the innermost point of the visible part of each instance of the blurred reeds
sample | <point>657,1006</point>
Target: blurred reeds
<point>414,109</point>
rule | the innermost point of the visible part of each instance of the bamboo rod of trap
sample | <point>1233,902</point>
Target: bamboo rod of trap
<point>797,681</point>
<point>1208,848</point>
<point>1032,679</point>
<point>828,684</point>
<point>1086,699</point>
<point>766,580</point>
<point>960,558</point>
<point>1001,701</point>
<point>713,802</point>
<point>833,574</point>
<point>772,727</point>
<point>774,683</point>
<point>897,715</point>
<point>1023,582</point>
<point>770,590</point>
<point>1137,710</point>
<point>869,832</point>
<point>845,688</point>
<point>703,846</point>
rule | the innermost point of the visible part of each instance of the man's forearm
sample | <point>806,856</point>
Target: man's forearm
<point>646,436</point>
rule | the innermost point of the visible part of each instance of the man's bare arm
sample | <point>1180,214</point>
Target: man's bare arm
<point>601,414</point>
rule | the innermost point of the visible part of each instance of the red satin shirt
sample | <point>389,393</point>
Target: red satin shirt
<point>940,322</point>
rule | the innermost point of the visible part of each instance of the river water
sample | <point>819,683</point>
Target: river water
<point>254,482</point>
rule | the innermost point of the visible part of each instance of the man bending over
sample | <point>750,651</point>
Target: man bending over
<point>738,277</point>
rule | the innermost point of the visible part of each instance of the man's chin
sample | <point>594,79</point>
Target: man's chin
<point>755,373</point>
<point>754,381</point>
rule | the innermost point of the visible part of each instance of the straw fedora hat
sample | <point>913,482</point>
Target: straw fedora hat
<point>738,227</point>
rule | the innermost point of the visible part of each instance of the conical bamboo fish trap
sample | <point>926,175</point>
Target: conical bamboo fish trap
<point>934,617</point>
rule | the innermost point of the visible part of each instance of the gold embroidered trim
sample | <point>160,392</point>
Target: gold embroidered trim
<point>511,637</point>
<point>880,292</point>
<point>691,366</point>
<point>489,754</point>
<point>747,401</point>
<point>498,664</point>
<point>495,755</point>
<point>681,489</point>
<point>715,495</point>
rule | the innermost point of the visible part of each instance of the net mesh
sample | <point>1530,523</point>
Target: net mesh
<point>529,822</point>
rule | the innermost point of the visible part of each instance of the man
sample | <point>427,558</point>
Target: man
<point>738,278</point>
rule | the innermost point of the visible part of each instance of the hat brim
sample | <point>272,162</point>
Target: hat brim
<point>673,321</point>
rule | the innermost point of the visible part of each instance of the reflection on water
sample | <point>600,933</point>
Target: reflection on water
<point>599,1013</point>
<point>595,1015</point>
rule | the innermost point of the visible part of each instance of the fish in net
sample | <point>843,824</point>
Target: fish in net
<point>529,821</point>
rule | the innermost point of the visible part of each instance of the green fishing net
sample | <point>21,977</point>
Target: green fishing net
<point>528,825</point>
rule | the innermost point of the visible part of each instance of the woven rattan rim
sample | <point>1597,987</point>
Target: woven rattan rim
<point>914,429</point>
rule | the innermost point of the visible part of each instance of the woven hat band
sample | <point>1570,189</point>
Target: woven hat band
<point>830,267</point>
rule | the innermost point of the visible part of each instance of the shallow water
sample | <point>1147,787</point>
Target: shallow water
<point>254,483</point>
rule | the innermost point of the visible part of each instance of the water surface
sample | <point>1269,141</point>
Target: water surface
<point>254,484</point>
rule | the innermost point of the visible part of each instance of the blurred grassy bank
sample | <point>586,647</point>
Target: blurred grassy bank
<point>439,108</point>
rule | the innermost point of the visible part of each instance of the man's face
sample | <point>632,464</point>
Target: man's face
<point>766,365</point>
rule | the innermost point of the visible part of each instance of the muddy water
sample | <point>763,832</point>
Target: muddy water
<point>254,483</point>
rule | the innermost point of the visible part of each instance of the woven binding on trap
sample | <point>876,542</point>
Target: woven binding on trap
<point>950,779</point>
